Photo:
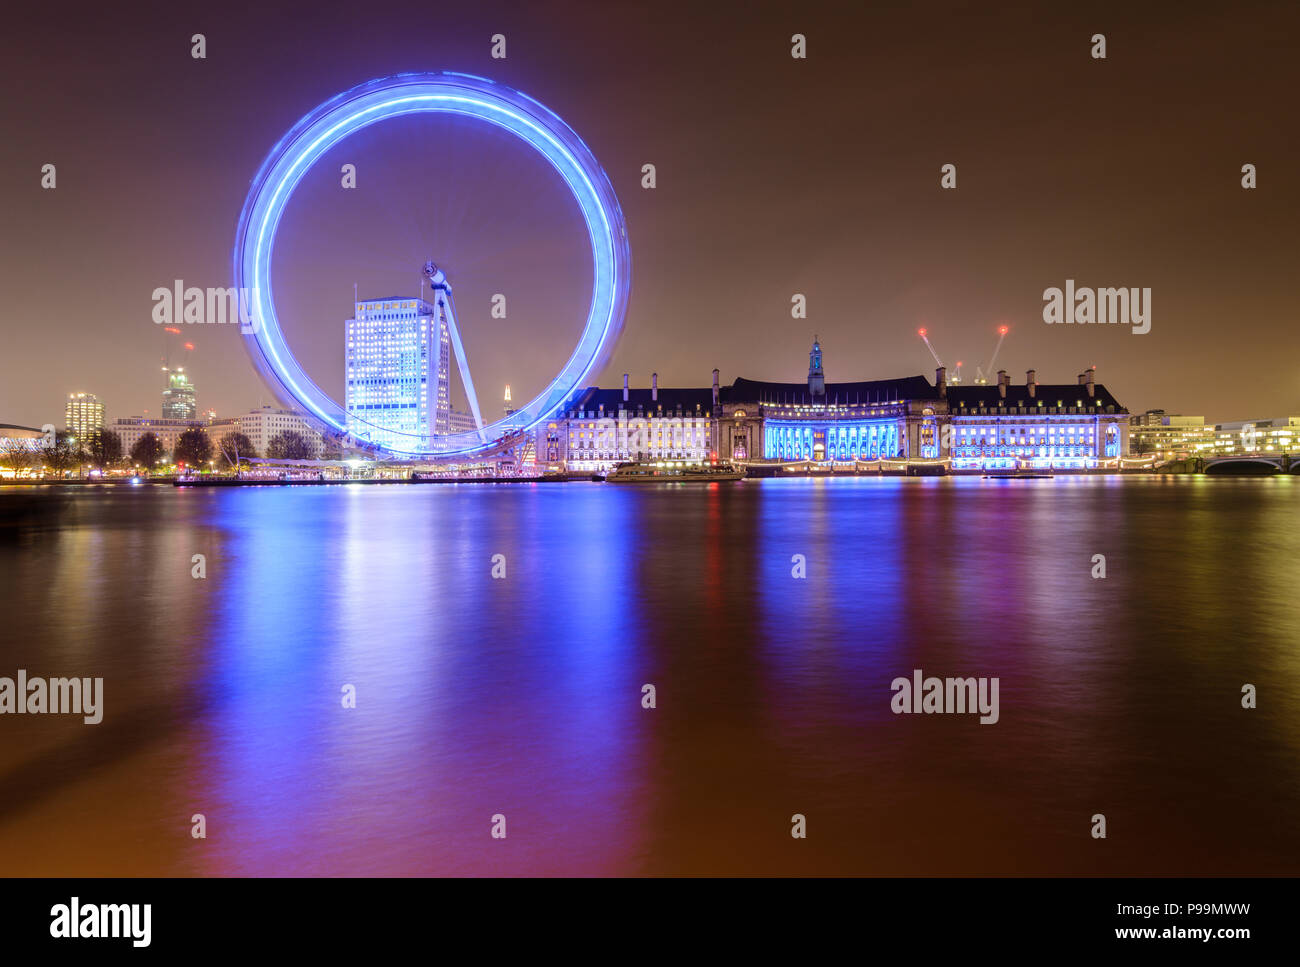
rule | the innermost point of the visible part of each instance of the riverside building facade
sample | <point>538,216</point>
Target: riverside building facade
<point>1166,436</point>
<point>130,429</point>
<point>601,428</point>
<point>1048,425</point>
<point>1070,426</point>
<point>1272,436</point>
<point>263,424</point>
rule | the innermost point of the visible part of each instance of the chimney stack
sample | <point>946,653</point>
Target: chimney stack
<point>941,381</point>
<point>715,389</point>
<point>625,387</point>
<point>1031,382</point>
<point>1003,382</point>
<point>1088,377</point>
<point>654,386</point>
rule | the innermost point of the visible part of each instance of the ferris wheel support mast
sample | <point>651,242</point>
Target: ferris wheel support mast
<point>447,306</point>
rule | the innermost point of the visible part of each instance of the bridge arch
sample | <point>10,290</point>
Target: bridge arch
<point>1245,466</point>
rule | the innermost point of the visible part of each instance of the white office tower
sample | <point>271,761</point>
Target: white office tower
<point>396,392</point>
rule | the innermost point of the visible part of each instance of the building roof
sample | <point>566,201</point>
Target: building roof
<point>7,430</point>
<point>862,392</point>
<point>592,398</point>
<point>865,391</point>
<point>1018,395</point>
<point>423,303</point>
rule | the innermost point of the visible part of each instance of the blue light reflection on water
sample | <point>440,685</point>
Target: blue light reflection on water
<point>474,694</point>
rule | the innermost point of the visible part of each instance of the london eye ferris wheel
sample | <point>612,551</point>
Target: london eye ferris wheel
<point>485,102</point>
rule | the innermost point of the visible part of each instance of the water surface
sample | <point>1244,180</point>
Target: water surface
<point>522,696</point>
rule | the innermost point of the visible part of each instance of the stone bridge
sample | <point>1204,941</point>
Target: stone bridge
<point>1252,463</point>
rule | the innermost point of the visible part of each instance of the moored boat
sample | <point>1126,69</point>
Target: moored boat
<point>1018,474</point>
<point>672,471</point>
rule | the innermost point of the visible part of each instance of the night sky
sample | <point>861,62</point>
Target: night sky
<point>775,176</point>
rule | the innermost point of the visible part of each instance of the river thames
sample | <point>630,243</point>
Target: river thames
<point>521,695</point>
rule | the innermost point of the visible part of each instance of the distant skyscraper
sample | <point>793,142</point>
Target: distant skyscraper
<point>395,390</point>
<point>179,393</point>
<point>178,399</point>
<point>84,415</point>
<point>508,406</point>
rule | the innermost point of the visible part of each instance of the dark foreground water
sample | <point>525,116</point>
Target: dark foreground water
<point>522,696</point>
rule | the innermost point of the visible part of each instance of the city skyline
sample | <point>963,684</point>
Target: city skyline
<point>995,424</point>
<point>464,421</point>
<point>842,208</point>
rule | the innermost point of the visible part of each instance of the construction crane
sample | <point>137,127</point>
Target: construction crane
<point>924,334</point>
<point>926,339</point>
<point>980,378</point>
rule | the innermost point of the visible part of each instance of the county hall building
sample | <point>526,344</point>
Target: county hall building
<point>1070,426</point>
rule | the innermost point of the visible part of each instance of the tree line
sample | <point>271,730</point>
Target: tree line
<point>103,450</point>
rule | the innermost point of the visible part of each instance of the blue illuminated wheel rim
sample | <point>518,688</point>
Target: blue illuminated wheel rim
<point>448,93</point>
